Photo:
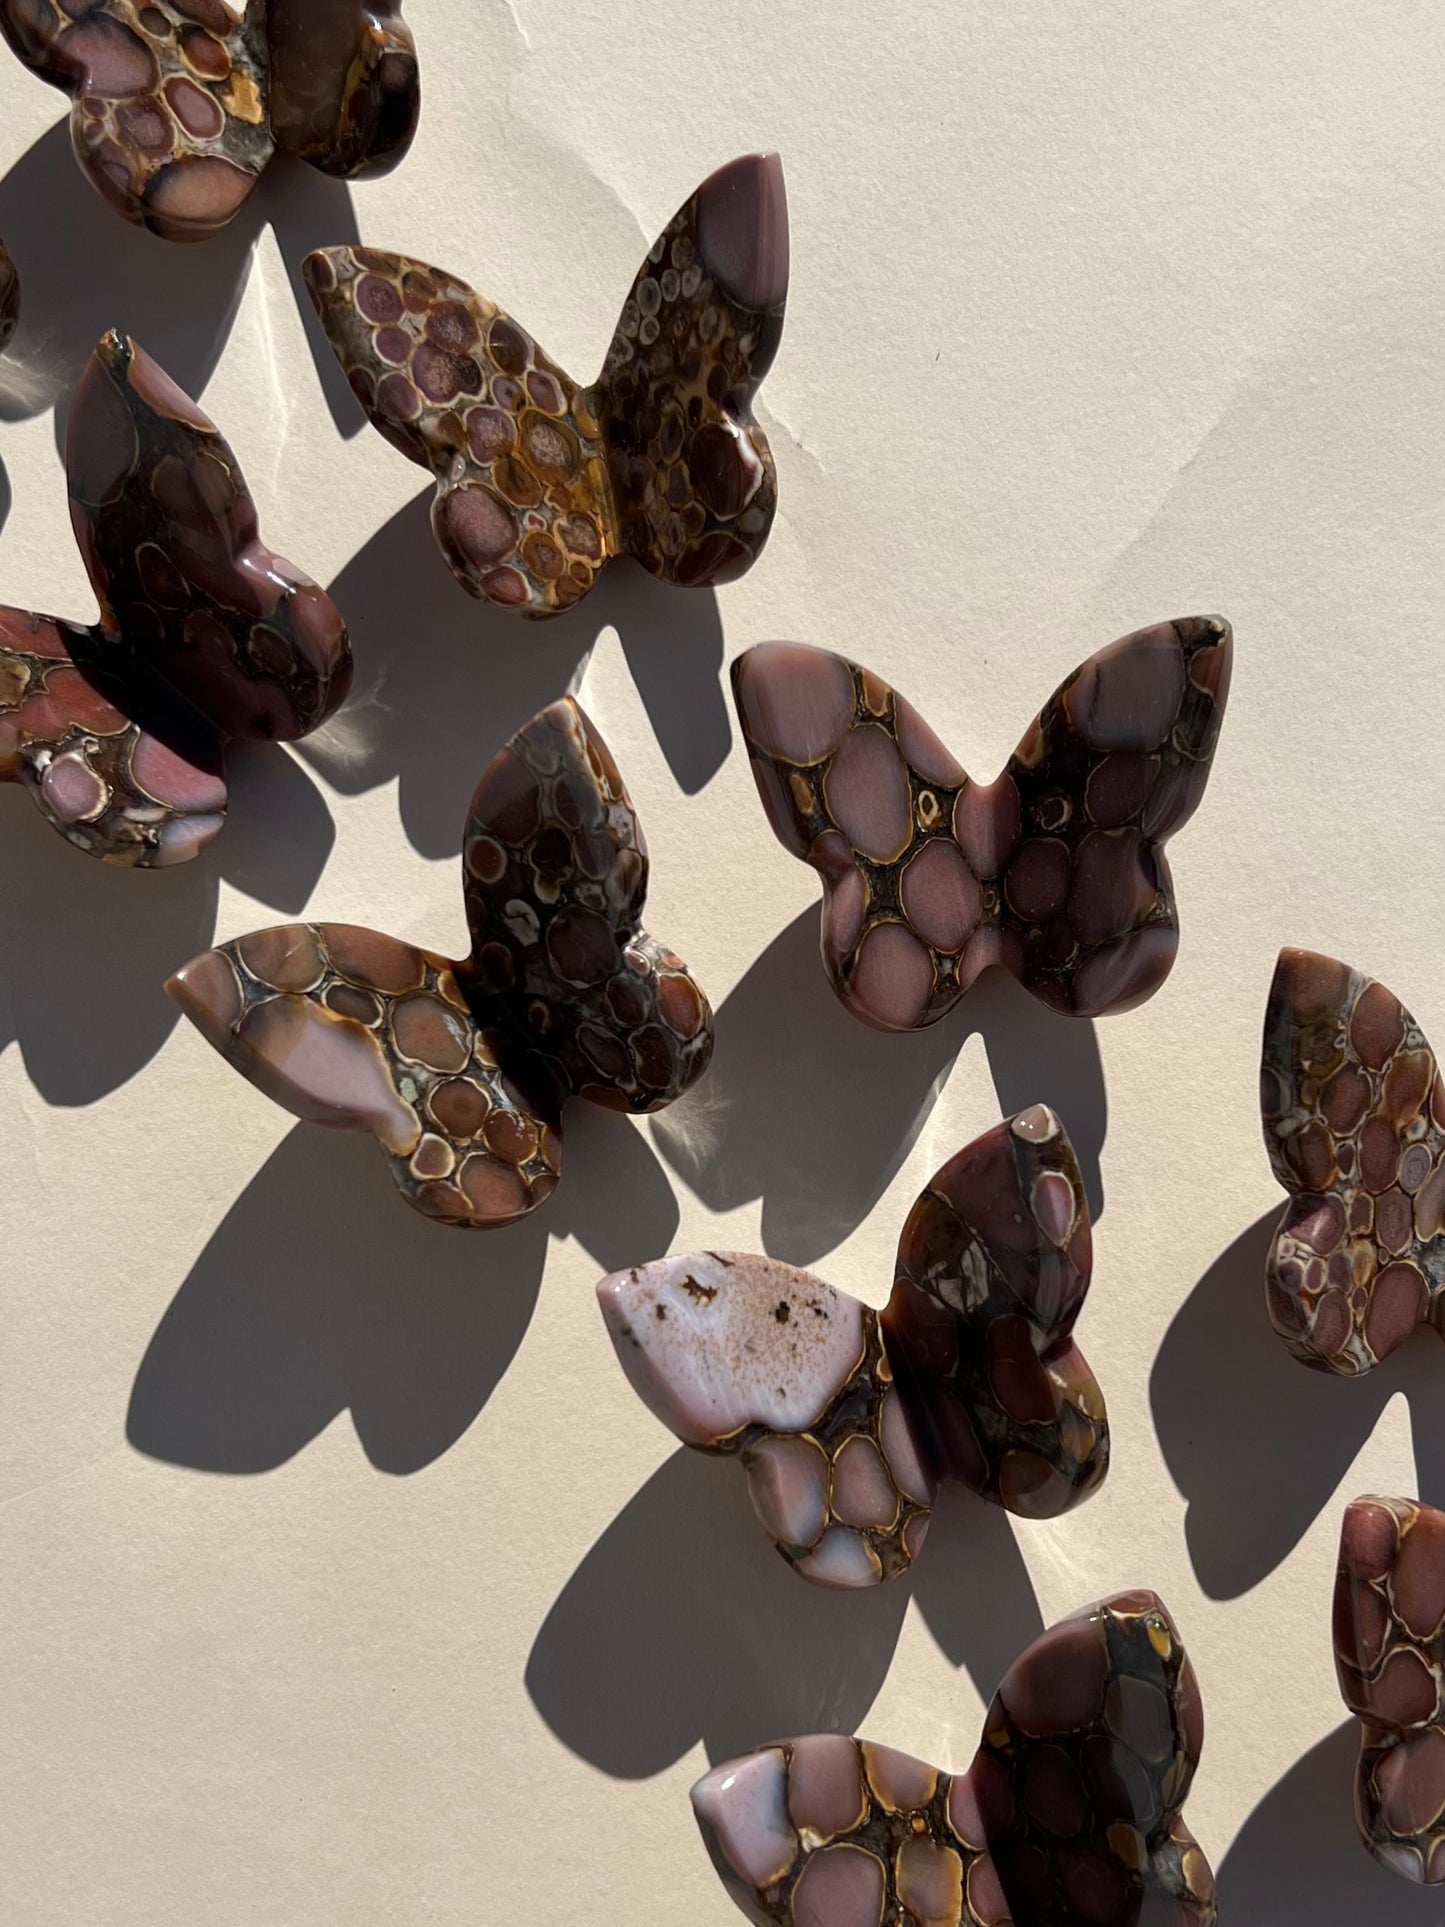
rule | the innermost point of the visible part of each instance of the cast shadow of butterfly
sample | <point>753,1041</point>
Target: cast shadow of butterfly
<point>293,1314</point>
<point>1257,1445</point>
<point>795,1142</point>
<point>1298,1862</point>
<point>683,1624</point>
<point>83,270</point>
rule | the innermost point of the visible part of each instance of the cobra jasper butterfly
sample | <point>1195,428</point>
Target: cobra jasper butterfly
<point>119,730</point>
<point>1070,1815</point>
<point>460,1069</point>
<point>180,104</point>
<point>9,298</point>
<point>1353,1107</point>
<point>540,481</point>
<point>1056,871</point>
<point>847,1422</point>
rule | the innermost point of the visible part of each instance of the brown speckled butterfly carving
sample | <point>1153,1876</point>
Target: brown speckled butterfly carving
<point>1056,871</point>
<point>1353,1107</point>
<point>119,730</point>
<point>1070,1815</point>
<point>540,481</point>
<point>460,1069</point>
<point>180,104</point>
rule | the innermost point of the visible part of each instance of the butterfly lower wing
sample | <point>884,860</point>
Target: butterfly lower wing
<point>993,1266</point>
<point>693,475</point>
<point>756,1359</point>
<point>523,512</point>
<point>344,89</point>
<point>169,119</point>
<point>555,874</point>
<point>110,788</point>
<point>1353,1107</point>
<point>346,1027</point>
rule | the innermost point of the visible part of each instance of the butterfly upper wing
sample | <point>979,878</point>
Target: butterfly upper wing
<point>555,873</point>
<point>344,89</point>
<point>692,473</point>
<point>108,786</point>
<point>993,1266</point>
<point>349,1028</point>
<point>1389,1652</point>
<point>169,119</point>
<point>1353,1107</point>
<point>753,1357</point>
<point>9,297</point>
<point>523,511</point>
<point>204,633</point>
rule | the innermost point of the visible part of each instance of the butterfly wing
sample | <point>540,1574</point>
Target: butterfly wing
<point>344,89</point>
<point>109,788</point>
<point>692,472</point>
<point>555,874</point>
<point>523,511</point>
<point>204,633</point>
<point>1353,1107</point>
<point>9,297</point>
<point>169,118</point>
<point>345,1027</point>
<point>754,1358</point>
<point>993,1266</point>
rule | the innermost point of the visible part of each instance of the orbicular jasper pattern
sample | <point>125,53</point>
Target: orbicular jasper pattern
<point>541,481</point>
<point>460,1069</point>
<point>1390,1657</point>
<point>9,297</point>
<point>119,730</point>
<point>1056,871</point>
<point>847,1423</point>
<point>1353,1106</point>
<point>179,104</point>
<point>1069,1816</point>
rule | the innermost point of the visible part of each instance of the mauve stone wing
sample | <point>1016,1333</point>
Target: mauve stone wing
<point>1353,1107</point>
<point>753,1358</point>
<point>346,1027</point>
<point>1390,1658</point>
<point>555,874</point>
<point>108,787</point>
<point>9,297</point>
<point>993,1266</point>
<point>1056,871</point>
<point>344,86</point>
<point>1070,1813</point>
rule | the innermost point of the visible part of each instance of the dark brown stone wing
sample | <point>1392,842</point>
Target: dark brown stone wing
<point>344,85</point>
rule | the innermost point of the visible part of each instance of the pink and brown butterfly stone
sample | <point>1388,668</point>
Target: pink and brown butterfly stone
<point>1390,1657</point>
<point>1353,1107</point>
<point>541,481</point>
<point>1056,871</point>
<point>9,297</point>
<point>846,1422</point>
<point>460,1069</point>
<point>180,104</point>
<point>119,730</point>
<point>1070,1815</point>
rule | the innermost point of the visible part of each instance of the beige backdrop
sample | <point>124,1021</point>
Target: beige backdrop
<point>342,1578</point>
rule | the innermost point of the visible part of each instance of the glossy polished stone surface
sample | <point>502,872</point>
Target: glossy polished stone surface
<point>1353,1107</point>
<point>1390,1657</point>
<point>9,297</point>
<point>178,106</point>
<point>1056,871</point>
<point>1070,1815</point>
<point>845,1423</point>
<point>119,730</point>
<point>540,480</point>
<point>460,1069</point>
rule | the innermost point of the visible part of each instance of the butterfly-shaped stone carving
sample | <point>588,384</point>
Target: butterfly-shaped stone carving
<point>180,104</point>
<point>846,1421</point>
<point>1056,871</point>
<point>460,1069</point>
<point>1390,1658</point>
<point>541,481</point>
<point>119,730</point>
<point>1353,1106</point>
<point>9,297</point>
<point>1070,1815</point>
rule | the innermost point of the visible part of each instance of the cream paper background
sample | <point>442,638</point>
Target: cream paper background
<point>342,1577</point>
